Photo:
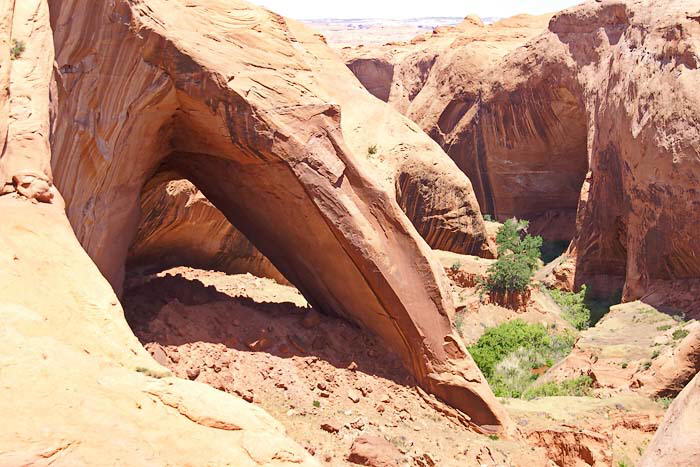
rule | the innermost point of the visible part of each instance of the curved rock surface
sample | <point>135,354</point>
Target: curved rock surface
<point>677,441</point>
<point>251,113</point>
<point>180,226</point>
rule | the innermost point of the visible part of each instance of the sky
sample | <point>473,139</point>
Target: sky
<point>312,9</point>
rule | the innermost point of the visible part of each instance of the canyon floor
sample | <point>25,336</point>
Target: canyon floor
<point>329,383</point>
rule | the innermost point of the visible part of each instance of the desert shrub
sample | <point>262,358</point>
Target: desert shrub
<point>679,334</point>
<point>665,327</point>
<point>488,218</point>
<point>17,49</point>
<point>518,258</point>
<point>573,306</point>
<point>509,354</point>
<point>372,149</point>
<point>455,266</point>
<point>499,341</point>
<point>646,365</point>
<point>665,402</point>
<point>518,370</point>
<point>581,386</point>
<point>655,354</point>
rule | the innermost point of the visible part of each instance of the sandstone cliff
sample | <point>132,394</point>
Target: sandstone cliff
<point>589,130</point>
<point>78,388</point>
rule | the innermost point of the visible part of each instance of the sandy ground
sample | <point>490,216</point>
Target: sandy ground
<point>329,382</point>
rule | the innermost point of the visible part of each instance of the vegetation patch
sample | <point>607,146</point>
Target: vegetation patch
<point>17,49</point>
<point>679,334</point>
<point>573,306</point>
<point>372,149</point>
<point>665,327</point>
<point>513,355</point>
<point>580,387</point>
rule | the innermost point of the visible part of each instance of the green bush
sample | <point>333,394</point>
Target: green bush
<point>516,372</point>
<point>679,334</point>
<point>508,354</point>
<point>581,386</point>
<point>372,149</point>
<point>518,258</point>
<point>488,218</point>
<point>665,327</point>
<point>17,49</point>
<point>498,342</point>
<point>573,306</point>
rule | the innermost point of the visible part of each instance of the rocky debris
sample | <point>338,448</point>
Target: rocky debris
<point>573,447</point>
<point>373,451</point>
<point>307,391</point>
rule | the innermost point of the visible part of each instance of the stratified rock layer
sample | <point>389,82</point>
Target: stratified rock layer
<point>274,130</point>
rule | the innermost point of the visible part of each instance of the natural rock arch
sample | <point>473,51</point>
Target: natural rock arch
<point>245,115</point>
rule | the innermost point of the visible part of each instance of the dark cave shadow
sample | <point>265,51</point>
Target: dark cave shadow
<point>333,340</point>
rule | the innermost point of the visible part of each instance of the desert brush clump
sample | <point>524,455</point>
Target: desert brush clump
<point>581,386</point>
<point>511,354</point>
<point>573,307</point>
<point>17,49</point>
<point>518,258</point>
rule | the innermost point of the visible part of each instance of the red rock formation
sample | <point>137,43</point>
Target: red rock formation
<point>677,441</point>
<point>78,388</point>
<point>604,98</point>
<point>251,113</point>
<point>181,227</point>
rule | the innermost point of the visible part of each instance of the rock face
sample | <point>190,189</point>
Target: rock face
<point>589,130</point>
<point>251,113</point>
<point>677,441</point>
<point>78,388</point>
<point>181,227</point>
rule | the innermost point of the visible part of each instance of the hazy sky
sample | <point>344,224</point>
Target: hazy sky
<point>308,9</point>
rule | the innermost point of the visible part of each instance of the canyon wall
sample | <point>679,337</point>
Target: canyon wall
<point>589,130</point>
<point>258,115</point>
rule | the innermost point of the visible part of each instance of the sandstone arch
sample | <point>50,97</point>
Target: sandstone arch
<point>250,118</point>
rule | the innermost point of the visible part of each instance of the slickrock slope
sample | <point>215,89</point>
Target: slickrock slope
<point>677,441</point>
<point>181,227</point>
<point>78,388</point>
<point>255,113</point>
<point>596,116</point>
<point>634,348</point>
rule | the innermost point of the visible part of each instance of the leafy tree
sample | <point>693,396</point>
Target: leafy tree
<point>518,258</point>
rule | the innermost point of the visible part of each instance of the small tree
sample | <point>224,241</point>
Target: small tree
<point>518,256</point>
